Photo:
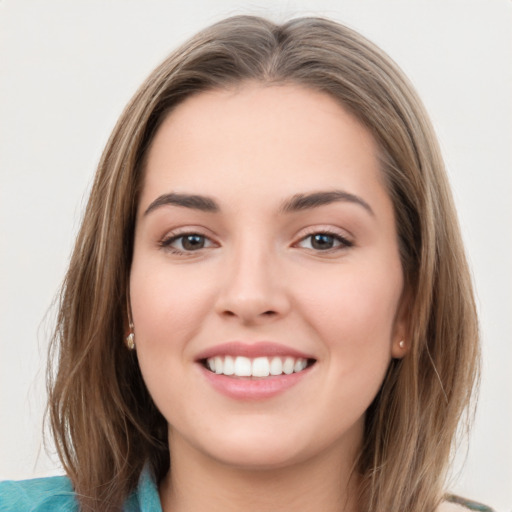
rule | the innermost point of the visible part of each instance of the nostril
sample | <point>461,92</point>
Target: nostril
<point>269,313</point>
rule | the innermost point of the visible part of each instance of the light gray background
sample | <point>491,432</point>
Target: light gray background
<point>67,68</point>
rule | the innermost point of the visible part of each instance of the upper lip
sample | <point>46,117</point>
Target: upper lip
<point>251,350</point>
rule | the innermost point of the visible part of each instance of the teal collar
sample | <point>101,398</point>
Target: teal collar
<point>145,498</point>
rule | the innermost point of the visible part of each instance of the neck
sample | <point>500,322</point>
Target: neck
<point>197,482</point>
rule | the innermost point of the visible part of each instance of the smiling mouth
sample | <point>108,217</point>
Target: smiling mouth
<point>258,367</point>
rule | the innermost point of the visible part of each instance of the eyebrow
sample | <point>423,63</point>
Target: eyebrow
<point>196,202</point>
<point>297,203</point>
<point>315,199</point>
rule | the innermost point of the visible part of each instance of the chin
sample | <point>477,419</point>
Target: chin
<point>260,449</point>
<point>256,459</point>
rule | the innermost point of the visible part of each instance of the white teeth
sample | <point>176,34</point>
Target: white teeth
<point>257,367</point>
<point>229,366</point>
<point>288,365</point>
<point>276,366</point>
<point>299,365</point>
<point>243,367</point>
<point>219,365</point>
<point>260,367</point>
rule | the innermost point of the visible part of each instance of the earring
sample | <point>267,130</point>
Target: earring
<point>130,339</point>
<point>401,344</point>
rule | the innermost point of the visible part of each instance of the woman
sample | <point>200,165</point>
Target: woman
<point>272,234</point>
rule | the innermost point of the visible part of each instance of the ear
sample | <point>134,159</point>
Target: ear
<point>401,343</point>
<point>128,329</point>
<point>128,321</point>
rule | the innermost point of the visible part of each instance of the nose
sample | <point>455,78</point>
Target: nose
<point>253,288</point>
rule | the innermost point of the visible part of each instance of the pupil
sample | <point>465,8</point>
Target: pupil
<point>192,242</point>
<point>322,242</point>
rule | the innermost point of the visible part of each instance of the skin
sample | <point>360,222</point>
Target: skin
<point>259,277</point>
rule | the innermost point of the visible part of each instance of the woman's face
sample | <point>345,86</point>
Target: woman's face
<point>266,279</point>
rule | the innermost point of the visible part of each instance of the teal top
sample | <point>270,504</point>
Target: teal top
<point>55,494</point>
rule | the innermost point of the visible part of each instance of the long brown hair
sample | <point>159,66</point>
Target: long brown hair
<point>106,425</point>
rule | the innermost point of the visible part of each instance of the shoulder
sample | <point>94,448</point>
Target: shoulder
<point>53,494</point>
<point>56,494</point>
<point>458,504</point>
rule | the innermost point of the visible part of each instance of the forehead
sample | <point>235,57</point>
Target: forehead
<point>260,139</point>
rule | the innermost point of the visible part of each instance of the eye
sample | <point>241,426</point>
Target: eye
<point>324,242</point>
<point>187,242</point>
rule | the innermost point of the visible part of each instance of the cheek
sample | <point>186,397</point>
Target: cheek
<point>167,304</point>
<point>353,310</point>
<point>167,309</point>
<point>361,302</point>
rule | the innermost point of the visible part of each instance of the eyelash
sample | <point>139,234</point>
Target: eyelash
<point>344,243</point>
<point>167,242</point>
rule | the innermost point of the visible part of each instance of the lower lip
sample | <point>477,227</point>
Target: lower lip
<point>246,388</point>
